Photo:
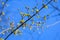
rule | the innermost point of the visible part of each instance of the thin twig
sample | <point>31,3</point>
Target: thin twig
<point>5,30</point>
<point>3,7</point>
<point>53,24</point>
<point>55,7</point>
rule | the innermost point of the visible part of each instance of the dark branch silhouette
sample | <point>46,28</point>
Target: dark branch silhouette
<point>55,7</point>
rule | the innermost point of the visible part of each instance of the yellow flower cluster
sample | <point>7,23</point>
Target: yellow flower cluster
<point>1,39</point>
<point>22,21</point>
<point>17,32</point>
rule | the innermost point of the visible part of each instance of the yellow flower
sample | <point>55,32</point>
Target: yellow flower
<point>38,16</point>
<point>44,17</point>
<point>21,13</point>
<point>45,6</point>
<point>26,14</point>
<point>38,24</point>
<point>2,3</point>
<point>32,10</point>
<point>33,22</point>
<point>1,39</point>
<point>3,13</point>
<point>37,10</point>
<point>24,25</point>
<point>3,32</point>
<point>17,32</point>
<point>30,27</point>
<point>12,24</point>
<point>22,21</point>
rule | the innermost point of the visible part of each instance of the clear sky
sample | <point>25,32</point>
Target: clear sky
<point>53,22</point>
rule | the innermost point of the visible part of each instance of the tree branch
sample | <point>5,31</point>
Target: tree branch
<point>27,20</point>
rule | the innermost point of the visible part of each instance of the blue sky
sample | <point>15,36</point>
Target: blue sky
<point>50,33</point>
